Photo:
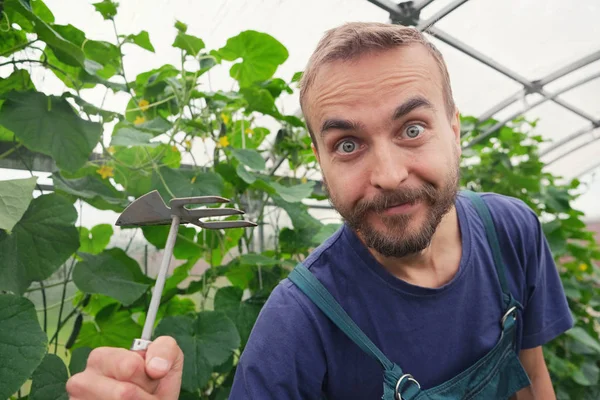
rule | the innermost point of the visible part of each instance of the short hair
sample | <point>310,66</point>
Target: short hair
<point>353,39</point>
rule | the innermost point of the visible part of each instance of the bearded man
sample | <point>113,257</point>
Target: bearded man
<point>425,292</point>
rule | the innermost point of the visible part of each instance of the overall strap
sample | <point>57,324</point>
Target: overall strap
<point>315,291</point>
<point>490,230</point>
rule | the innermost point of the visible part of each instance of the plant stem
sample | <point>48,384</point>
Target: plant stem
<point>47,287</point>
<point>17,47</point>
<point>44,303</point>
<point>119,44</point>
<point>67,318</point>
<point>9,152</point>
<point>62,301</point>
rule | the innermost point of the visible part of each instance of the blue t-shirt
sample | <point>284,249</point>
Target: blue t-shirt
<point>296,352</point>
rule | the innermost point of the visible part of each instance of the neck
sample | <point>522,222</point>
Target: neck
<point>435,265</point>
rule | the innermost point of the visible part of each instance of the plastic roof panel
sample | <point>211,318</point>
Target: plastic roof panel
<point>533,38</point>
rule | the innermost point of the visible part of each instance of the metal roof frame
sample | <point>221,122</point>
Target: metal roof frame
<point>408,13</point>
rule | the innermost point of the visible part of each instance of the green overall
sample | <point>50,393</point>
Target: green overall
<point>498,375</point>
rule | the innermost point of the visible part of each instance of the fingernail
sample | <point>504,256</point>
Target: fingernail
<point>159,364</point>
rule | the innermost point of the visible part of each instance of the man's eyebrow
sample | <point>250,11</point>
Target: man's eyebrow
<point>340,124</point>
<point>412,104</point>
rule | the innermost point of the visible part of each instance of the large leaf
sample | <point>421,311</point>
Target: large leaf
<point>79,358</point>
<point>49,380</point>
<point>22,342</point>
<point>184,183</point>
<point>261,54</point>
<point>110,328</point>
<point>89,186</point>
<point>243,313</point>
<point>40,243</point>
<point>585,338</point>
<point>112,273</point>
<point>11,41</point>
<point>130,136</point>
<point>250,158</point>
<point>49,125</point>
<point>294,194</point>
<point>15,196</point>
<point>190,44</point>
<point>19,80</point>
<point>207,342</point>
<point>95,240</point>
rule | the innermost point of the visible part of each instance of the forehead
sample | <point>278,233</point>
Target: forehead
<point>377,81</point>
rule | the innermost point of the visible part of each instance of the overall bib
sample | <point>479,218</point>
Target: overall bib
<point>496,376</point>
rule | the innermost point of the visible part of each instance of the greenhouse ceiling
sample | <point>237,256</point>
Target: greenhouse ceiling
<point>538,58</point>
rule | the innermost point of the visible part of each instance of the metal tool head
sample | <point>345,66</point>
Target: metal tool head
<point>150,209</point>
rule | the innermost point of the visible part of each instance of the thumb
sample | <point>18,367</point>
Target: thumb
<point>163,357</point>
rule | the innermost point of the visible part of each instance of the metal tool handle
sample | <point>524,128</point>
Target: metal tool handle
<point>146,339</point>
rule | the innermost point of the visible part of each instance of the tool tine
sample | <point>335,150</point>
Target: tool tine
<point>226,224</point>
<point>213,212</point>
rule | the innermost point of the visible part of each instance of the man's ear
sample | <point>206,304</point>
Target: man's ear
<point>455,124</point>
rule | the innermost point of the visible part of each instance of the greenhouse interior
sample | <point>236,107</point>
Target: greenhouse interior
<point>109,110</point>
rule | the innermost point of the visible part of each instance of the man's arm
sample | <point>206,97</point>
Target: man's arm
<point>535,366</point>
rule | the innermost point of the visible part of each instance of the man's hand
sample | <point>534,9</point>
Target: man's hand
<point>120,374</point>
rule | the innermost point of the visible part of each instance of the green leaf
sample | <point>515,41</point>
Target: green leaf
<point>261,54</point>
<point>90,187</point>
<point>244,174</point>
<point>260,100</point>
<point>41,10</point>
<point>587,375</point>
<point>112,273</point>
<point>585,338</point>
<point>89,108</point>
<point>22,343</point>
<point>15,196</point>
<point>11,40</point>
<point>183,183</point>
<point>107,8</point>
<point>95,240</point>
<point>142,39</point>
<point>188,43</point>
<point>229,301</point>
<point>208,341</point>
<point>240,275</point>
<point>180,274</point>
<point>130,136</point>
<point>185,246</point>
<point>110,328</point>
<point>296,193</point>
<point>49,380</point>
<point>49,125</point>
<point>19,80</point>
<point>40,243</point>
<point>180,26</point>
<point>250,158</point>
<point>79,358</point>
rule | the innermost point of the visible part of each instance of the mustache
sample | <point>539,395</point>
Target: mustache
<point>384,200</point>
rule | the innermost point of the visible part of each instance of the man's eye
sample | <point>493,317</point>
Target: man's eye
<point>412,131</point>
<point>346,146</point>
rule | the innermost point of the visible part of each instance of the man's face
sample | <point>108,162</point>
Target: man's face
<point>388,151</point>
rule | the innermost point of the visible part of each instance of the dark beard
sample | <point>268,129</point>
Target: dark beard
<point>400,240</point>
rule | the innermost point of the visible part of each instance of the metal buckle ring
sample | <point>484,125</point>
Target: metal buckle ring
<point>408,377</point>
<point>509,312</point>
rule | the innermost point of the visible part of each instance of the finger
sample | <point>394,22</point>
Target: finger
<point>92,386</point>
<point>163,356</point>
<point>122,365</point>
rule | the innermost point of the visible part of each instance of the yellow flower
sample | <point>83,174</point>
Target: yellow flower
<point>223,141</point>
<point>583,267</point>
<point>225,118</point>
<point>111,150</point>
<point>303,180</point>
<point>105,171</point>
<point>174,148</point>
<point>139,120</point>
<point>188,144</point>
<point>194,179</point>
<point>144,104</point>
<point>249,131</point>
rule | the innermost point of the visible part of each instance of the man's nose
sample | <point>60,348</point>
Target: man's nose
<point>388,168</point>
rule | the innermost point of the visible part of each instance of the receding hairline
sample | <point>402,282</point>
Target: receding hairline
<point>354,40</point>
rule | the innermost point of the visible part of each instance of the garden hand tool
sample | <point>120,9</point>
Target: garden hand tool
<point>150,209</point>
